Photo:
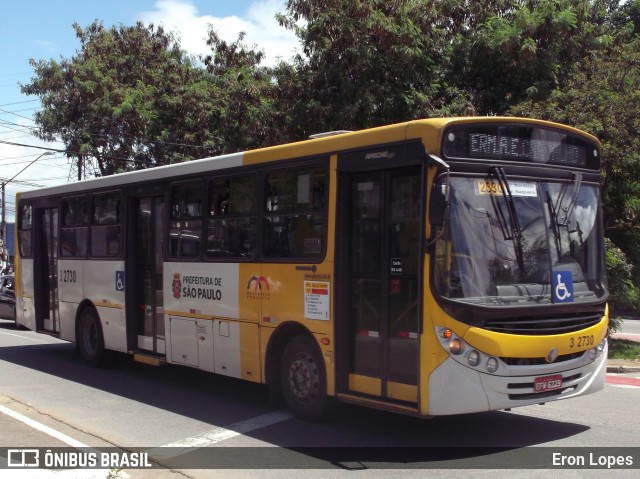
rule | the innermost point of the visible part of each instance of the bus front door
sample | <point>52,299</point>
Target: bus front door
<point>147,274</point>
<point>383,264</point>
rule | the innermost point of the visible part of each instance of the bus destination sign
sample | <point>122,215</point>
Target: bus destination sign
<point>519,143</point>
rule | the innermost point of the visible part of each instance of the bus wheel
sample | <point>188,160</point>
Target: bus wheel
<point>304,382</point>
<point>90,342</point>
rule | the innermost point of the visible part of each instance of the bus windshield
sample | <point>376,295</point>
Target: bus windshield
<point>519,243</point>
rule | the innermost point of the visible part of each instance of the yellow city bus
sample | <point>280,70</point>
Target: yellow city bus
<point>434,267</point>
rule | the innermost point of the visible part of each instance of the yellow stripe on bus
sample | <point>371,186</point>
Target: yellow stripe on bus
<point>525,346</point>
<point>107,304</point>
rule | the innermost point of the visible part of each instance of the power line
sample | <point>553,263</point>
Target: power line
<point>5,123</point>
<point>20,157</point>
<point>19,103</point>
<point>25,109</point>
<point>50,165</point>
<point>11,143</point>
<point>23,135</point>
<point>15,114</point>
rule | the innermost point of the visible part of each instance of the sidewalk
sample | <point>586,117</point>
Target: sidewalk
<point>624,366</point>
<point>23,429</point>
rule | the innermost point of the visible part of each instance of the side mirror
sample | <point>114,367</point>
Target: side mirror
<point>438,203</point>
<point>439,192</point>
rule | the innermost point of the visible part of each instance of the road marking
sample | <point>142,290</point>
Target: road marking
<point>216,435</point>
<point>41,427</point>
<point>45,473</point>
<point>622,381</point>
<point>219,434</point>
<point>35,340</point>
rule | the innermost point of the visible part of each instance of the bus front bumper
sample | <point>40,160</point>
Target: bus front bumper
<point>457,389</point>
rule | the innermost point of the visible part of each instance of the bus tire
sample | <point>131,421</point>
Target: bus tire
<point>303,379</point>
<point>90,341</point>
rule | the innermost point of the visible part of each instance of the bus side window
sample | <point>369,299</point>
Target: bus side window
<point>231,227</point>
<point>106,231</point>
<point>294,216</point>
<point>74,228</point>
<point>186,200</point>
<point>185,227</point>
<point>24,231</point>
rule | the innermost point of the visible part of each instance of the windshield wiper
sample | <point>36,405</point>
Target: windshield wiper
<point>560,214</point>
<point>516,231</point>
<point>567,211</point>
<point>555,224</point>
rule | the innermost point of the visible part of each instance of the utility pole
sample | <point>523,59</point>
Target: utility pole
<point>3,225</point>
<point>3,229</point>
<point>81,169</point>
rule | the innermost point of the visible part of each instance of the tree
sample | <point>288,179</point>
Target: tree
<point>379,62</point>
<point>602,96</point>
<point>363,63</point>
<point>130,98</point>
<point>625,296</point>
<point>511,51</point>
<point>245,115</point>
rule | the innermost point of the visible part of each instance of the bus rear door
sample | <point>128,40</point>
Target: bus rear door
<point>46,270</point>
<point>144,266</point>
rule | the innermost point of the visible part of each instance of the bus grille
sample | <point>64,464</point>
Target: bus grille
<point>568,323</point>
<point>540,361</point>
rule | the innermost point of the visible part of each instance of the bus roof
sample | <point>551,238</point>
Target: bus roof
<point>428,130</point>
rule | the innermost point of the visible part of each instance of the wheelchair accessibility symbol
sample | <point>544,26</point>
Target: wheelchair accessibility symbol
<point>562,287</point>
<point>119,280</point>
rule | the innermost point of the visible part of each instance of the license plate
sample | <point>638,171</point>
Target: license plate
<point>547,383</point>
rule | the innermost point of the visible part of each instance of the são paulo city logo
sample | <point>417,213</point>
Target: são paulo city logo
<point>176,286</point>
<point>197,287</point>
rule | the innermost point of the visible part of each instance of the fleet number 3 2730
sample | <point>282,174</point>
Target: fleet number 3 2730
<point>581,341</point>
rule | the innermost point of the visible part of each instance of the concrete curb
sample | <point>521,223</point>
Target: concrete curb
<point>623,369</point>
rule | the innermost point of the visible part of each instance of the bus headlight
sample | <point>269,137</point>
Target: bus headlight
<point>597,351</point>
<point>474,358</point>
<point>492,365</point>
<point>455,346</point>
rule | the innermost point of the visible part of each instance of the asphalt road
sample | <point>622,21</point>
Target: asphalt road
<point>138,406</point>
<point>631,326</point>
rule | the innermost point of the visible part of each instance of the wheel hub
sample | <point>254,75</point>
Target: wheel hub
<point>302,377</point>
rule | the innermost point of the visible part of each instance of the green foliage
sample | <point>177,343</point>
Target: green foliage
<point>624,349</point>
<point>523,50</point>
<point>126,99</point>
<point>615,324</point>
<point>131,98</point>
<point>364,63</point>
<point>602,96</point>
<point>242,109</point>
<point>625,296</point>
